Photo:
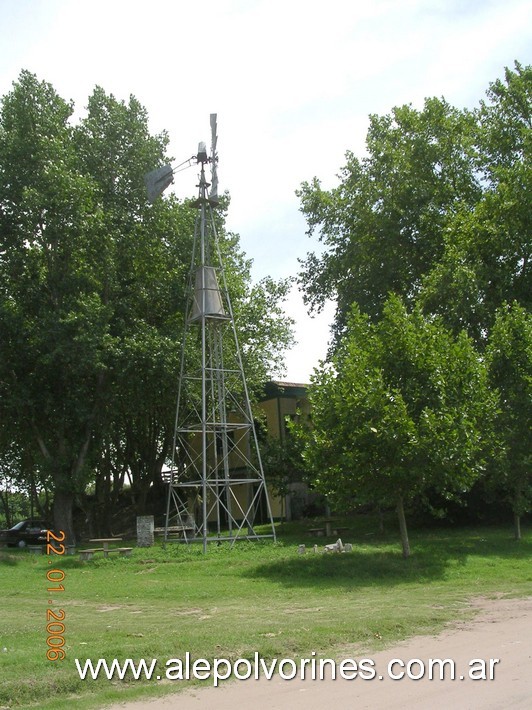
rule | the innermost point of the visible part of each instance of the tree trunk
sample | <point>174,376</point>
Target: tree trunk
<point>4,498</point>
<point>402,527</point>
<point>101,513</point>
<point>64,499</point>
<point>517,526</point>
<point>63,502</point>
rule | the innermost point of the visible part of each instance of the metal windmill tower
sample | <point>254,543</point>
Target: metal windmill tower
<point>216,485</point>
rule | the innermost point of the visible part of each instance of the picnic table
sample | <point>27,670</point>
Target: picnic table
<point>316,532</point>
<point>176,530</point>
<point>104,541</point>
<point>330,527</point>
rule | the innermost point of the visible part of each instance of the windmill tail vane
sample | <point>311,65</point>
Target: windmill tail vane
<point>213,196</point>
<point>159,179</point>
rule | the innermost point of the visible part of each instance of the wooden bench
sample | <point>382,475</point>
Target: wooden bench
<point>40,549</point>
<point>337,531</point>
<point>123,551</point>
<point>316,532</point>
<point>175,531</point>
<point>88,554</point>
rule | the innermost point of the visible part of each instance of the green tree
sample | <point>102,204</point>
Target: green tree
<point>509,357</point>
<point>92,283</point>
<point>487,248</point>
<point>149,247</point>
<point>383,227</point>
<point>53,319</point>
<point>438,212</point>
<point>403,406</point>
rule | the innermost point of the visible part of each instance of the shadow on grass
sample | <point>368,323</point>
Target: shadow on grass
<point>352,570</point>
<point>381,563</point>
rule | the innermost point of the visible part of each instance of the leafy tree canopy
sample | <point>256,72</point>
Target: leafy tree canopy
<point>402,406</point>
<point>92,281</point>
<point>438,211</point>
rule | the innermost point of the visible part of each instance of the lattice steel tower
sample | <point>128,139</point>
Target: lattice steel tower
<point>216,486</point>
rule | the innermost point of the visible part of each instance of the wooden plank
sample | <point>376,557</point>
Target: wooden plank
<point>318,532</point>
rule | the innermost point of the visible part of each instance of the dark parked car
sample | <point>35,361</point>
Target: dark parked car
<point>27,532</point>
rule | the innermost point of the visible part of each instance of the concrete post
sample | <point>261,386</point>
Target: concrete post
<point>145,532</point>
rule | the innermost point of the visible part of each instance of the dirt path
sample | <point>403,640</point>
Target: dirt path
<point>501,630</point>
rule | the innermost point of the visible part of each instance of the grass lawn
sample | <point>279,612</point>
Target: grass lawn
<point>259,596</point>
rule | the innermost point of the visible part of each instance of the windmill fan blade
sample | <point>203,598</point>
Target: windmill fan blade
<point>158,180</point>
<point>213,196</point>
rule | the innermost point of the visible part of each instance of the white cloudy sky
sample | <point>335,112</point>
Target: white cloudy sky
<point>292,81</point>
